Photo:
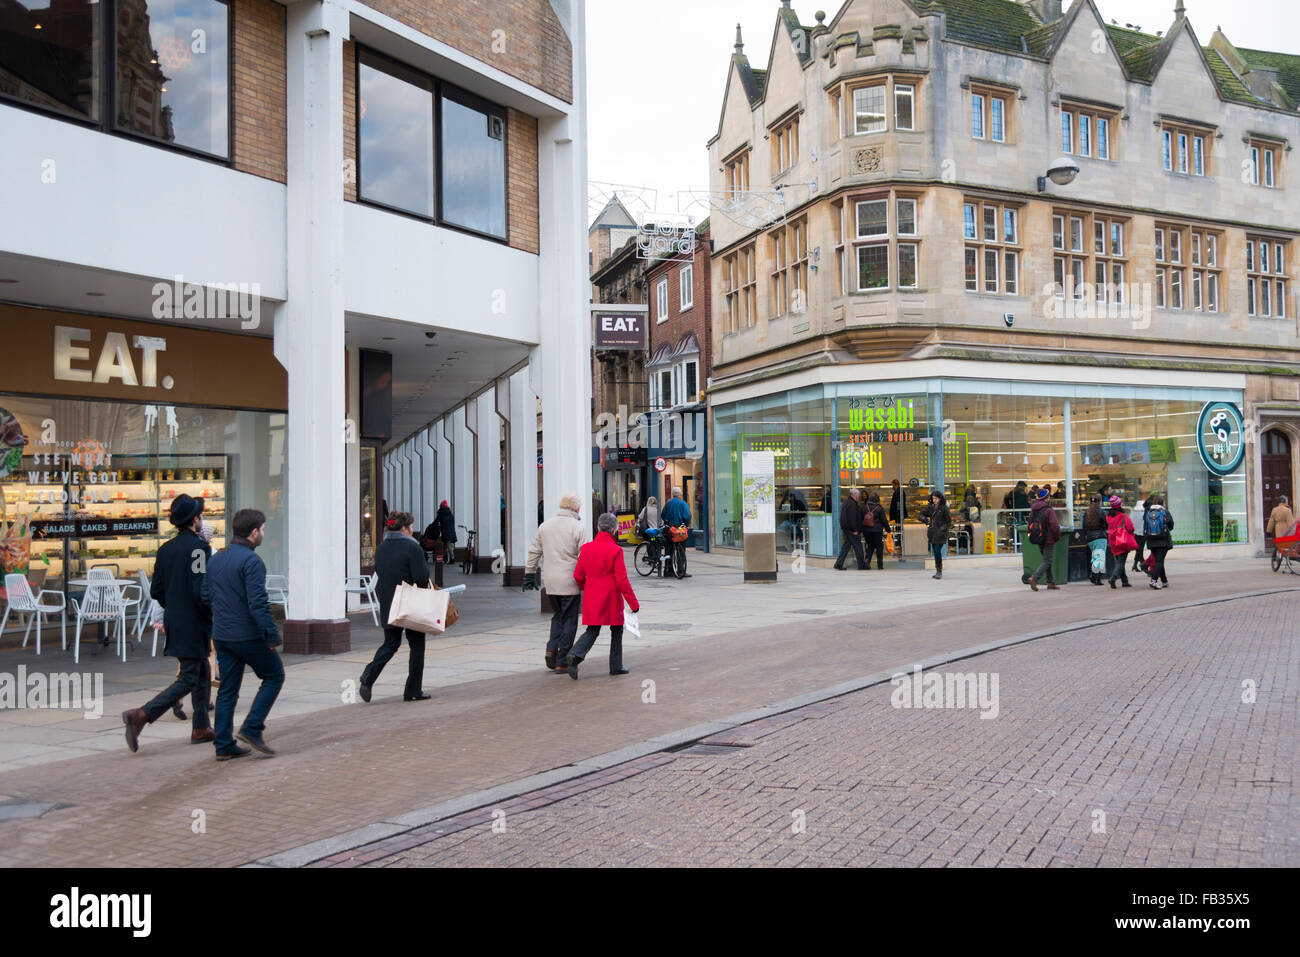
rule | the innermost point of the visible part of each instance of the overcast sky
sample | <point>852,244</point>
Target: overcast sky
<point>656,73</point>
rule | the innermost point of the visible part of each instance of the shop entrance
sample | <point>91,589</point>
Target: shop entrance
<point>1275,470</point>
<point>897,472</point>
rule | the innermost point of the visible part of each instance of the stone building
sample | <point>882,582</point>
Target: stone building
<point>962,245</point>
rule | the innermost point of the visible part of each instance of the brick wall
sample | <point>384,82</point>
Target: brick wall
<point>257,86</point>
<point>697,319</point>
<point>350,118</point>
<point>521,183</point>
<point>519,37</point>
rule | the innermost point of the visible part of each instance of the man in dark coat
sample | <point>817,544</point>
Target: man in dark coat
<point>177,586</point>
<point>398,559</point>
<point>851,528</point>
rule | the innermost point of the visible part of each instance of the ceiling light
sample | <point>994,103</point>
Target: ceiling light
<point>389,338</point>
<point>94,294</point>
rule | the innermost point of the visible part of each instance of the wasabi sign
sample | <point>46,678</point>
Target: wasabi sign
<point>884,419</point>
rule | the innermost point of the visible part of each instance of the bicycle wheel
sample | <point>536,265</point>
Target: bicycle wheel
<point>641,560</point>
<point>1277,559</point>
<point>680,562</point>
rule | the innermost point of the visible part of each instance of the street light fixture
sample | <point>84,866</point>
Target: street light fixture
<point>1062,172</point>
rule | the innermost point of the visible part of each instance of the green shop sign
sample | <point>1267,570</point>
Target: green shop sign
<point>883,418</point>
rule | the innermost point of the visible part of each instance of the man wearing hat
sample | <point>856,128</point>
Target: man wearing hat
<point>177,585</point>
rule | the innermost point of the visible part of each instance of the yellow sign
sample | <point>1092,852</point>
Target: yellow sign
<point>989,546</point>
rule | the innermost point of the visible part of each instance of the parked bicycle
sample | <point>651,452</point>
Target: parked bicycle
<point>467,565</point>
<point>658,551</point>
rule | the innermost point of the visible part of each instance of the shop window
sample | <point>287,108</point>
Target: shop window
<point>991,257</point>
<point>1267,280</point>
<point>686,286</point>
<point>1188,273</point>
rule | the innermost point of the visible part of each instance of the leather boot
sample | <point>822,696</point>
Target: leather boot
<point>135,720</point>
<point>200,735</point>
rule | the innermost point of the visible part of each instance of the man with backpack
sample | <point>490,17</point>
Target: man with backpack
<point>1045,532</point>
<point>1159,525</point>
<point>875,526</point>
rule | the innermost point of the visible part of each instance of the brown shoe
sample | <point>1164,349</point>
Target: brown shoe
<point>135,720</point>
<point>1033,583</point>
<point>1053,587</point>
<point>201,735</point>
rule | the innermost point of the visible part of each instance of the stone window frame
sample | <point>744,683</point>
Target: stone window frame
<point>977,248</point>
<point>1188,267</point>
<point>1267,284</point>
<point>891,239</point>
<point>784,137</point>
<point>1266,175</point>
<point>789,272</point>
<point>1080,262</point>
<point>740,288</point>
<point>1179,153</point>
<point>844,109</point>
<point>988,92</point>
<point>1095,114</point>
<point>736,170</point>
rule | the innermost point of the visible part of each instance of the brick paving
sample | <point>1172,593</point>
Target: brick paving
<point>350,766</point>
<point>1142,721</point>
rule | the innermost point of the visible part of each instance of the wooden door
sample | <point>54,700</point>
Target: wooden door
<point>1275,470</point>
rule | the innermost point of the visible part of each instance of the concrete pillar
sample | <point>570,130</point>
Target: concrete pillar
<point>489,479</point>
<point>311,347</point>
<point>463,487</point>
<point>521,497</point>
<point>564,377</point>
<point>428,505</point>
<point>352,496</point>
<point>446,458</point>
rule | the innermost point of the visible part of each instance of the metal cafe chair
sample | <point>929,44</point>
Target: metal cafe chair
<point>21,600</point>
<point>363,585</point>
<point>277,591</point>
<point>102,602</point>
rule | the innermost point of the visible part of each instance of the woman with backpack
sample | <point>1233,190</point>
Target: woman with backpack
<point>1121,540</point>
<point>1094,533</point>
<point>1159,524</point>
<point>939,520</point>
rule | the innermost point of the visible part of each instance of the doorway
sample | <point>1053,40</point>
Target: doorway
<point>1275,470</point>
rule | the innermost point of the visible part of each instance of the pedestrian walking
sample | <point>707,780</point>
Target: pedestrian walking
<point>851,527</point>
<point>1281,521</point>
<point>556,545</point>
<point>399,559</point>
<point>178,587</point>
<point>1095,532</point>
<point>677,514</point>
<point>1120,538</point>
<point>445,521</point>
<point>647,526</point>
<point>1045,532</point>
<point>1140,533</point>
<point>601,574</point>
<point>875,526</point>
<point>897,504</point>
<point>244,633</point>
<point>939,519</point>
<point>1159,525</point>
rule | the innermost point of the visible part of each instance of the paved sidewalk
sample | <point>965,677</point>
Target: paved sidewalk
<point>353,765</point>
<point>1127,744</point>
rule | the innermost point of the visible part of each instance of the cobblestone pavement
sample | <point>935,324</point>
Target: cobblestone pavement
<point>350,766</point>
<point>1126,744</point>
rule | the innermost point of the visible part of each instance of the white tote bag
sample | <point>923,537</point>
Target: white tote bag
<point>420,609</point>
<point>631,623</point>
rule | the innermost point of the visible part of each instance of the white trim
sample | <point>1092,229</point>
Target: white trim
<point>684,288</point>
<point>661,300</point>
<point>1019,372</point>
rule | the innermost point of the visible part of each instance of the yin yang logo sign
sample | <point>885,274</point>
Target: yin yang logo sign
<point>1220,437</point>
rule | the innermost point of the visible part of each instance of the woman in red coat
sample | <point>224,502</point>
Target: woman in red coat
<point>602,576</point>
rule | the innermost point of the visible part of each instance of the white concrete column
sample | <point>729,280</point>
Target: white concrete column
<point>489,473</point>
<point>446,458</point>
<point>463,505</point>
<point>428,504</point>
<point>522,478</point>
<point>352,496</point>
<point>565,355</point>
<point>309,342</point>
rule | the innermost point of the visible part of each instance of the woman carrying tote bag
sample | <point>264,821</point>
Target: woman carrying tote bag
<point>398,559</point>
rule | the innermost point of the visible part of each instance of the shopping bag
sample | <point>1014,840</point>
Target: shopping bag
<point>1098,556</point>
<point>1124,541</point>
<point>889,544</point>
<point>631,623</point>
<point>420,609</point>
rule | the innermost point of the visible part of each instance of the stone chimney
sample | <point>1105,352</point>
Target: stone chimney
<point>1261,83</point>
<point>1049,11</point>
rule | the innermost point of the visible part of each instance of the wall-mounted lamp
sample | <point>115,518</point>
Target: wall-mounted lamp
<point>1062,172</point>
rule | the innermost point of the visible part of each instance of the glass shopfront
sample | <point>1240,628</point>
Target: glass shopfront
<point>89,483</point>
<point>989,446</point>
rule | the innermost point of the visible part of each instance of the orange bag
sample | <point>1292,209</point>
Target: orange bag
<point>889,544</point>
<point>678,533</point>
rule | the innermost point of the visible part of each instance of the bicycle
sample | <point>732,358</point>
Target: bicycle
<point>671,556</point>
<point>467,565</point>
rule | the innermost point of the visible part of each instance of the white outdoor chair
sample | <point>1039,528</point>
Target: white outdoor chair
<point>144,608</point>
<point>277,591</point>
<point>22,601</point>
<point>102,602</point>
<point>363,585</point>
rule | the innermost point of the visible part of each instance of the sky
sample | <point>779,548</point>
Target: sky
<point>656,75</point>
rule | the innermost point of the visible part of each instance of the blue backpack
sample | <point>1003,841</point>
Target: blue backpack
<point>1156,522</point>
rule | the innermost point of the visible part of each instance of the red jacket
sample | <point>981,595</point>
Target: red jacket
<point>602,576</point>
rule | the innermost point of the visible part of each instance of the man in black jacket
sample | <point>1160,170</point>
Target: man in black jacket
<point>851,527</point>
<point>398,559</point>
<point>177,586</point>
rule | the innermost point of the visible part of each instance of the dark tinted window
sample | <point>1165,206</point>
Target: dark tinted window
<point>173,72</point>
<point>47,54</point>
<point>395,123</point>
<point>473,164</point>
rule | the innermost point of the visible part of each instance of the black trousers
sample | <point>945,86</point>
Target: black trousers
<point>851,541</point>
<point>564,624</point>
<point>393,641</point>
<point>937,552</point>
<point>875,545</point>
<point>588,639</point>
<point>1159,552</point>
<point>195,680</point>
